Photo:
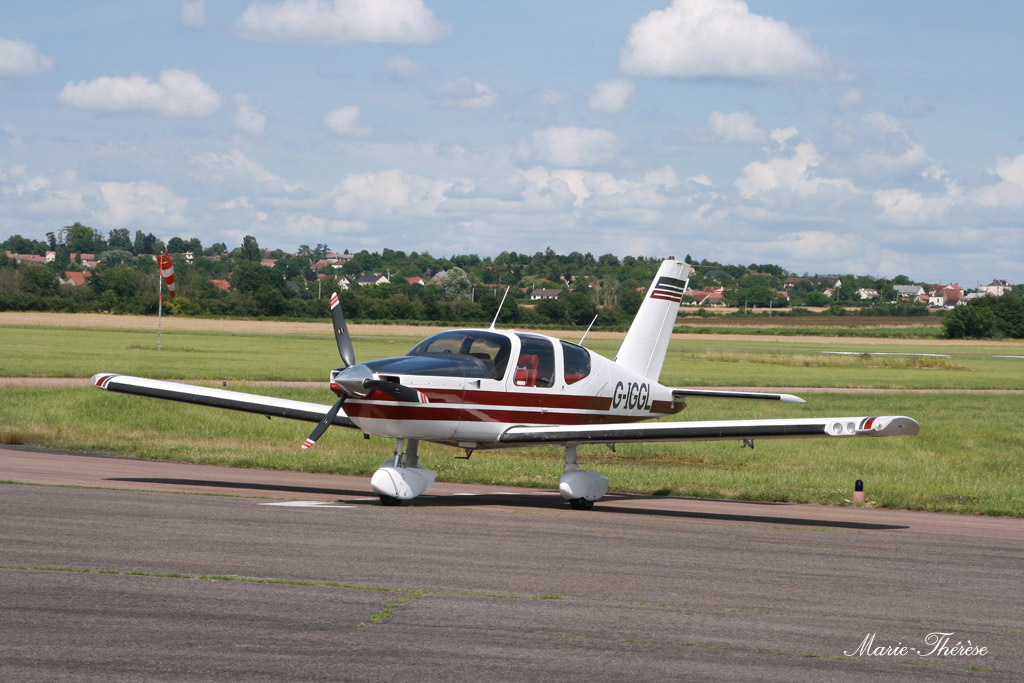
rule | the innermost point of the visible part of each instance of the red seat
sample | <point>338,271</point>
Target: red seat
<point>526,370</point>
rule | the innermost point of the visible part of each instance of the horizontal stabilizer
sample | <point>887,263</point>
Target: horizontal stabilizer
<point>714,430</point>
<point>218,398</point>
<point>710,393</point>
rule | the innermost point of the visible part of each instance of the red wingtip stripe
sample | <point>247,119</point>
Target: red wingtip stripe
<point>307,443</point>
<point>334,299</point>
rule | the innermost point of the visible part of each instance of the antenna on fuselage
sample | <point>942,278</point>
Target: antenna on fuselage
<point>588,329</point>
<point>498,312</point>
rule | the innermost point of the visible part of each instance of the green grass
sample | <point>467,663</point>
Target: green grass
<point>62,352</point>
<point>59,352</point>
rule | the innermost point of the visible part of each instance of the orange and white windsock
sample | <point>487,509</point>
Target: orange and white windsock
<point>167,271</point>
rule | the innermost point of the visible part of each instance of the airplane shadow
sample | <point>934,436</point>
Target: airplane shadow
<point>550,501</point>
<point>247,485</point>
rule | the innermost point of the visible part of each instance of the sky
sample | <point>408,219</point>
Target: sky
<point>868,137</point>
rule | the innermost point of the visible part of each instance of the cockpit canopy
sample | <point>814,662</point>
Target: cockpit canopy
<point>464,353</point>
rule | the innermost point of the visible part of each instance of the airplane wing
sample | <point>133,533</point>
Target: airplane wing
<point>713,430</point>
<point>218,398</point>
<point>711,393</point>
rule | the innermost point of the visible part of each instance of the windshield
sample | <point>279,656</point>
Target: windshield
<point>488,348</point>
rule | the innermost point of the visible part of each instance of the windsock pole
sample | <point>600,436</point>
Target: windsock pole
<point>167,275</point>
<point>159,310</point>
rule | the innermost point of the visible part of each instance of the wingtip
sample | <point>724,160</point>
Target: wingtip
<point>790,398</point>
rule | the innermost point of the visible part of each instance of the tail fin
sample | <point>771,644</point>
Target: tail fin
<point>643,349</point>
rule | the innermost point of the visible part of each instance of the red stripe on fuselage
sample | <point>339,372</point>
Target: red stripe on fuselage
<point>431,412</point>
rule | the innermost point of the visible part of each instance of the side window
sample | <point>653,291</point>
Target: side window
<point>536,364</point>
<point>577,362</point>
<point>493,354</point>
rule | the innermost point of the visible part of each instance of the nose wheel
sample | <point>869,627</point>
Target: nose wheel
<point>581,504</point>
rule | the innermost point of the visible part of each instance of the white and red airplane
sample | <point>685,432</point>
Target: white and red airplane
<point>489,388</point>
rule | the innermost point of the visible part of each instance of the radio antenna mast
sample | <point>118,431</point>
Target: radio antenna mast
<point>498,312</point>
<point>588,329</point>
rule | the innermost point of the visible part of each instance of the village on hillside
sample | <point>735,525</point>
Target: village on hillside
<point>818,290</point>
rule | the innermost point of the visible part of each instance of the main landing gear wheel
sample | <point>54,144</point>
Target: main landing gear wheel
<point>391,501</point>
<point>581,504</point>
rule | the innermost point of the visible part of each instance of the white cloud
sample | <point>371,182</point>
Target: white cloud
<point>341,21</point>
<point>909,207</point>
<point>193,13</point>
<point>236,164</point>
<point>611,96</point>
<point>1009,192</point>
<point>718,39</point>
<point>738,127</point>
<point>18,58</point>
<point>140,202</point>
<point>388,192</point>
<point>601,192</point>
<point>402,67</point>
<point>178,93</point>
<point>343,121</point>
<point>850,99</point>
<point>788,175</point>
<point>572,146</point>
<point>466,94</point>
<point>783,135</point>
<point>249,117</point>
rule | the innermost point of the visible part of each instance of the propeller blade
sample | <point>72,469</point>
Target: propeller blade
<point>323,424</point>
<point>399,391</point>
<point>348,354</point>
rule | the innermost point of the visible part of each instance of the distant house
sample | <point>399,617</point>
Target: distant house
<point>415,281</point>
<point>374,279</point>
<point>947,297</point>
<point>75,278</point>
<point>268,262</point>
<point>26,258</point>
<point>996,288</point>
<point>792,281</point>
<point>221,284</point>
<point>830,281</point>
<point>911,292</point>
<point>720,275</point>
<point>865,294</point>
<point>709,296</point>
<point>545,294</point>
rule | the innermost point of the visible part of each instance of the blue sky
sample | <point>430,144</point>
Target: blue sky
<point>827,137</point>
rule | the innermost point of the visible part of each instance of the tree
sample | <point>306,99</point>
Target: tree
<point>83,239</point>
<point>41,281</point>
<point>630,299</point>
<point>251,249</point>
<point>120,239</point>
<point>176,245</point>
<point>968,321</point>
<point>455,286</point>
<point>22,245</point>
<point>250,277</point>
<point>580,309</point>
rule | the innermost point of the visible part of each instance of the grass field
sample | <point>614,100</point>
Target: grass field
<point>966,459</point>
